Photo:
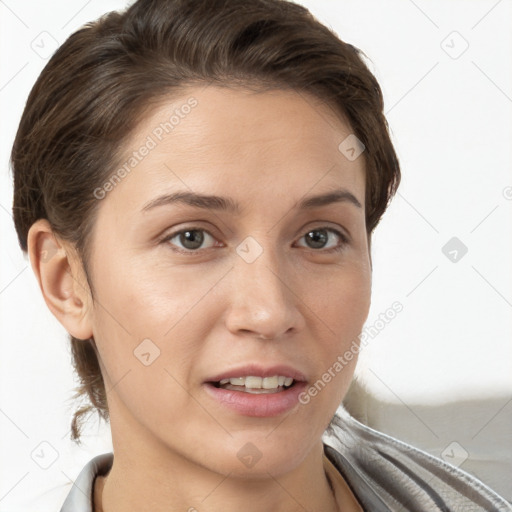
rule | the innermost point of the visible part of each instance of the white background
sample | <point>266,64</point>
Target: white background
<point>450,349</point>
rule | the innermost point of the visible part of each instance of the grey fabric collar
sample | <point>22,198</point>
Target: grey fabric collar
<point>80,497</point>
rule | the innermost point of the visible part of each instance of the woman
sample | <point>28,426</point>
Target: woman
<point>196,184</point>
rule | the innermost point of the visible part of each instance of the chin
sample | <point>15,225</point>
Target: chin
<point>255,456</point>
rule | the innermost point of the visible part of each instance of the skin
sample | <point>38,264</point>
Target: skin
<point>210,310</point>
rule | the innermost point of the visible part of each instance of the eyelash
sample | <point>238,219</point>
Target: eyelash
<point>344,240</point>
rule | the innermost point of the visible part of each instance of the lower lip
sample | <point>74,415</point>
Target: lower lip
<point>257,405</point>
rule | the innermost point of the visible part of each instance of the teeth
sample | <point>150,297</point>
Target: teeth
<point>269,382</point>
<point>253,382</point>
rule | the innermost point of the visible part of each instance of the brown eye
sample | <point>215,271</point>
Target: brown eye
<point>189,239</point>
<point>318,238</point>
<point>192,239</point>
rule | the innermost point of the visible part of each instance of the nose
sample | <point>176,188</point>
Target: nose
<point>264,300</point>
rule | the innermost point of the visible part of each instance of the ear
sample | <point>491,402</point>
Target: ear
<point>61,278</point>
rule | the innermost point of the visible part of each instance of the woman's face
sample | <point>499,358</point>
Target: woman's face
<point>278,285</point>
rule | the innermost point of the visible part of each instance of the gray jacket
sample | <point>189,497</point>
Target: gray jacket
<point>386,475</point>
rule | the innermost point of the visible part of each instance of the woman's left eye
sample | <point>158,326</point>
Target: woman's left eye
<point>320,236</point>
<point>192,239</point>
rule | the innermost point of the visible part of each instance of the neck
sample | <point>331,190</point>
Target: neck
<point>138,483</point>
<point>150,473</point>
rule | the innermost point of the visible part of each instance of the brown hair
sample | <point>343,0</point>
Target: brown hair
<point>100,83</point>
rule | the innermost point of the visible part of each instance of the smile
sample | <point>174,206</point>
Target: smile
<point>256,385</point>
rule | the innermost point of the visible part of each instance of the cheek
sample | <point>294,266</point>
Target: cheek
<point>342,308</point>
<point>146,327</point>
<point>147,297</point>
<point>344,301</point>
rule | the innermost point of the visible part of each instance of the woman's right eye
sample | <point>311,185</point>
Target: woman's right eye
<point>190,239</point>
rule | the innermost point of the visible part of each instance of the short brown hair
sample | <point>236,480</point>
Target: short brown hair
<point>100,83</point>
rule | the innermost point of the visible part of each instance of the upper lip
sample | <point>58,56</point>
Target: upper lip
<point>259,370</point>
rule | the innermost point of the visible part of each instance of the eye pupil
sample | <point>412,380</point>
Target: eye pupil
<point>317,240</point>
<point>194,236</point>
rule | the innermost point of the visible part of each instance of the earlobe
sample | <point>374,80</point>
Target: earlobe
<point>60,277</point>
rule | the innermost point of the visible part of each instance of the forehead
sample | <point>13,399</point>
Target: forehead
<point>219,139</point>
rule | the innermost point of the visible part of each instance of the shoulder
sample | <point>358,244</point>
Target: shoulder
<point>387,474</point>
<point>80,496</point>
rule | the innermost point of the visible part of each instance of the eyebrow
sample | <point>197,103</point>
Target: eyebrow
<point>211,202</point>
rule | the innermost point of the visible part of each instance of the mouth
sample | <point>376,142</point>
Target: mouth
<point>253,390</point>
<point>256,385</point>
